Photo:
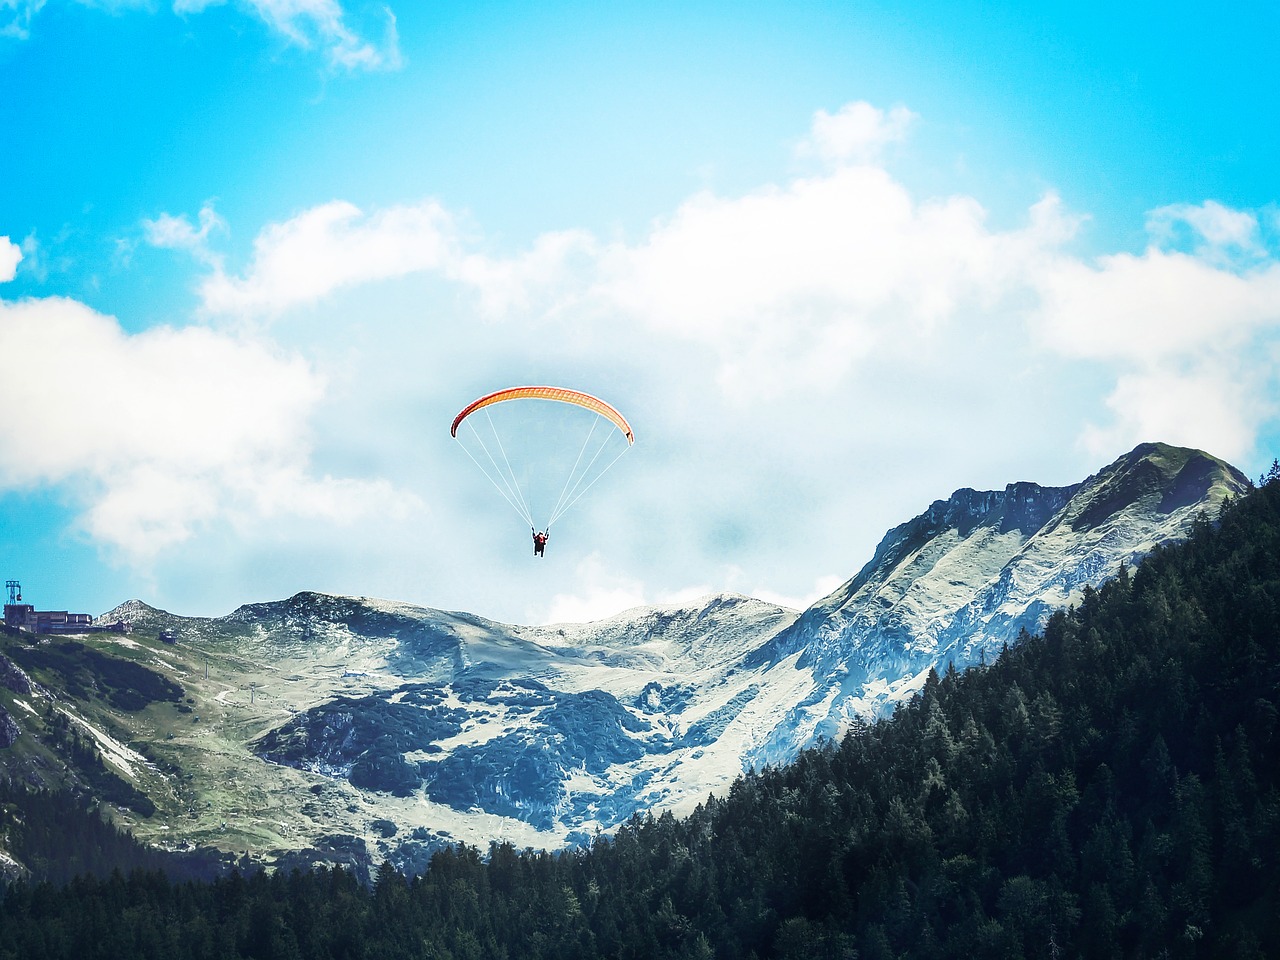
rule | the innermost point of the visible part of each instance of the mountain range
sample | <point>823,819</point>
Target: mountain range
<point>352,729</point>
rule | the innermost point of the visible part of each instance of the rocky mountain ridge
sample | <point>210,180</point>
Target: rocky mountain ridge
<point>957,582</point>
<point>326,723</point>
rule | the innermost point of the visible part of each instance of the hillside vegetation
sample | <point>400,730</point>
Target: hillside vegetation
<point>1108,789</point>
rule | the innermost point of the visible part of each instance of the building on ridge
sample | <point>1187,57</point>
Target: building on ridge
<point>24,616</point>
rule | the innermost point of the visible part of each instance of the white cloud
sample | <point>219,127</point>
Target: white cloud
<point>18,16</point>
<point>603,592</point>
<point>178,233</point>
<point>600,593</point>
<point>309,24</point>
<point>543,277</point>
<point>33,259</point>
<point>1189,337</point>
<point>187,397</point>
<point>800,285</point>
<point>1210,407</point>
<point>822,587</point>
<point>802,289</point>
<point>788,285</point>
<point>857,132</point>
<point>337,245</point>
<point>330,247</point>
<point>164,431</point>
<point>1137,308</point>
<point>1216,228</point>
<point>10,257</point>
<point>323,23</point>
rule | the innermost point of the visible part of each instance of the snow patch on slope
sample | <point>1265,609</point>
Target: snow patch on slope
<point>113,751</point>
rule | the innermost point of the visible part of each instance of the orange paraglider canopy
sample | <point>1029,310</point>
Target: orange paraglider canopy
<point>558,394</point>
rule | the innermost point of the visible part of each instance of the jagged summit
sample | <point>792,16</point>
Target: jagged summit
<point>961,579</point>
<point>133,612</point>
<point>1019,506</point>
<point>311,604</point>
<point>1158,478</point>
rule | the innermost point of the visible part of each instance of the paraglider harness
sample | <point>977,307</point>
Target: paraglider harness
<point>539,541</point>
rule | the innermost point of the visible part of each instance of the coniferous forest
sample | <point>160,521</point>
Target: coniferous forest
<point>1108,789</point>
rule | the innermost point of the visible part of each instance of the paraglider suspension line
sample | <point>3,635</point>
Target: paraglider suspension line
<point>509,487</point>
<point>574,488</point>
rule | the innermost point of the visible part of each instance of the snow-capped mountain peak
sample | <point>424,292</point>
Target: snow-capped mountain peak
<point>955,583</point>
<point>377,712</point>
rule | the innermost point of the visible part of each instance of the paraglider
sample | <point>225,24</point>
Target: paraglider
<point>524,439</point>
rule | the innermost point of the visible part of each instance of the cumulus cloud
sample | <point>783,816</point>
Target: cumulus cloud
<point>603,592</point>
<point>801,284</point>
<point>163,431</point>
<point>858,132</point>
<point>329,247</point>
<point>1156,305</point>
<point>804,278</point>
<point>1190,336</point>
<point>178,233</point>
<point>600,594</point>
<point>10,257</point>
<point>337,245</point>
<point>797,288</point>
<point>1212,405</point>
<point>822,587</point>
<point>547,276</point>
<point>1213,228</point>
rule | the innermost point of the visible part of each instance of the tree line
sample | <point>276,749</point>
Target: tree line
<point>1106,789</point>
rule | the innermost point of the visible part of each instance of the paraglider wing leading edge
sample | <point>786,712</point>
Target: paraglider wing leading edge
<point>561,394</point>
<point>526,460</point>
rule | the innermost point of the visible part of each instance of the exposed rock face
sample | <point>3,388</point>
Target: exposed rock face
<point>9,730</point>
<point>660,705</point>
<point>449,726</point>
<point>13,676</point>
<point>966,576</point>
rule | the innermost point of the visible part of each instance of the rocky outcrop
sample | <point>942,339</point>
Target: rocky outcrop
<point>957,582</point>
<point>14,677</point>
<point>9,730</point>
<point>451,727</point>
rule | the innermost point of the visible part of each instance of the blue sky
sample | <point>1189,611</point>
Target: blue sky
<point>833,261</point>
